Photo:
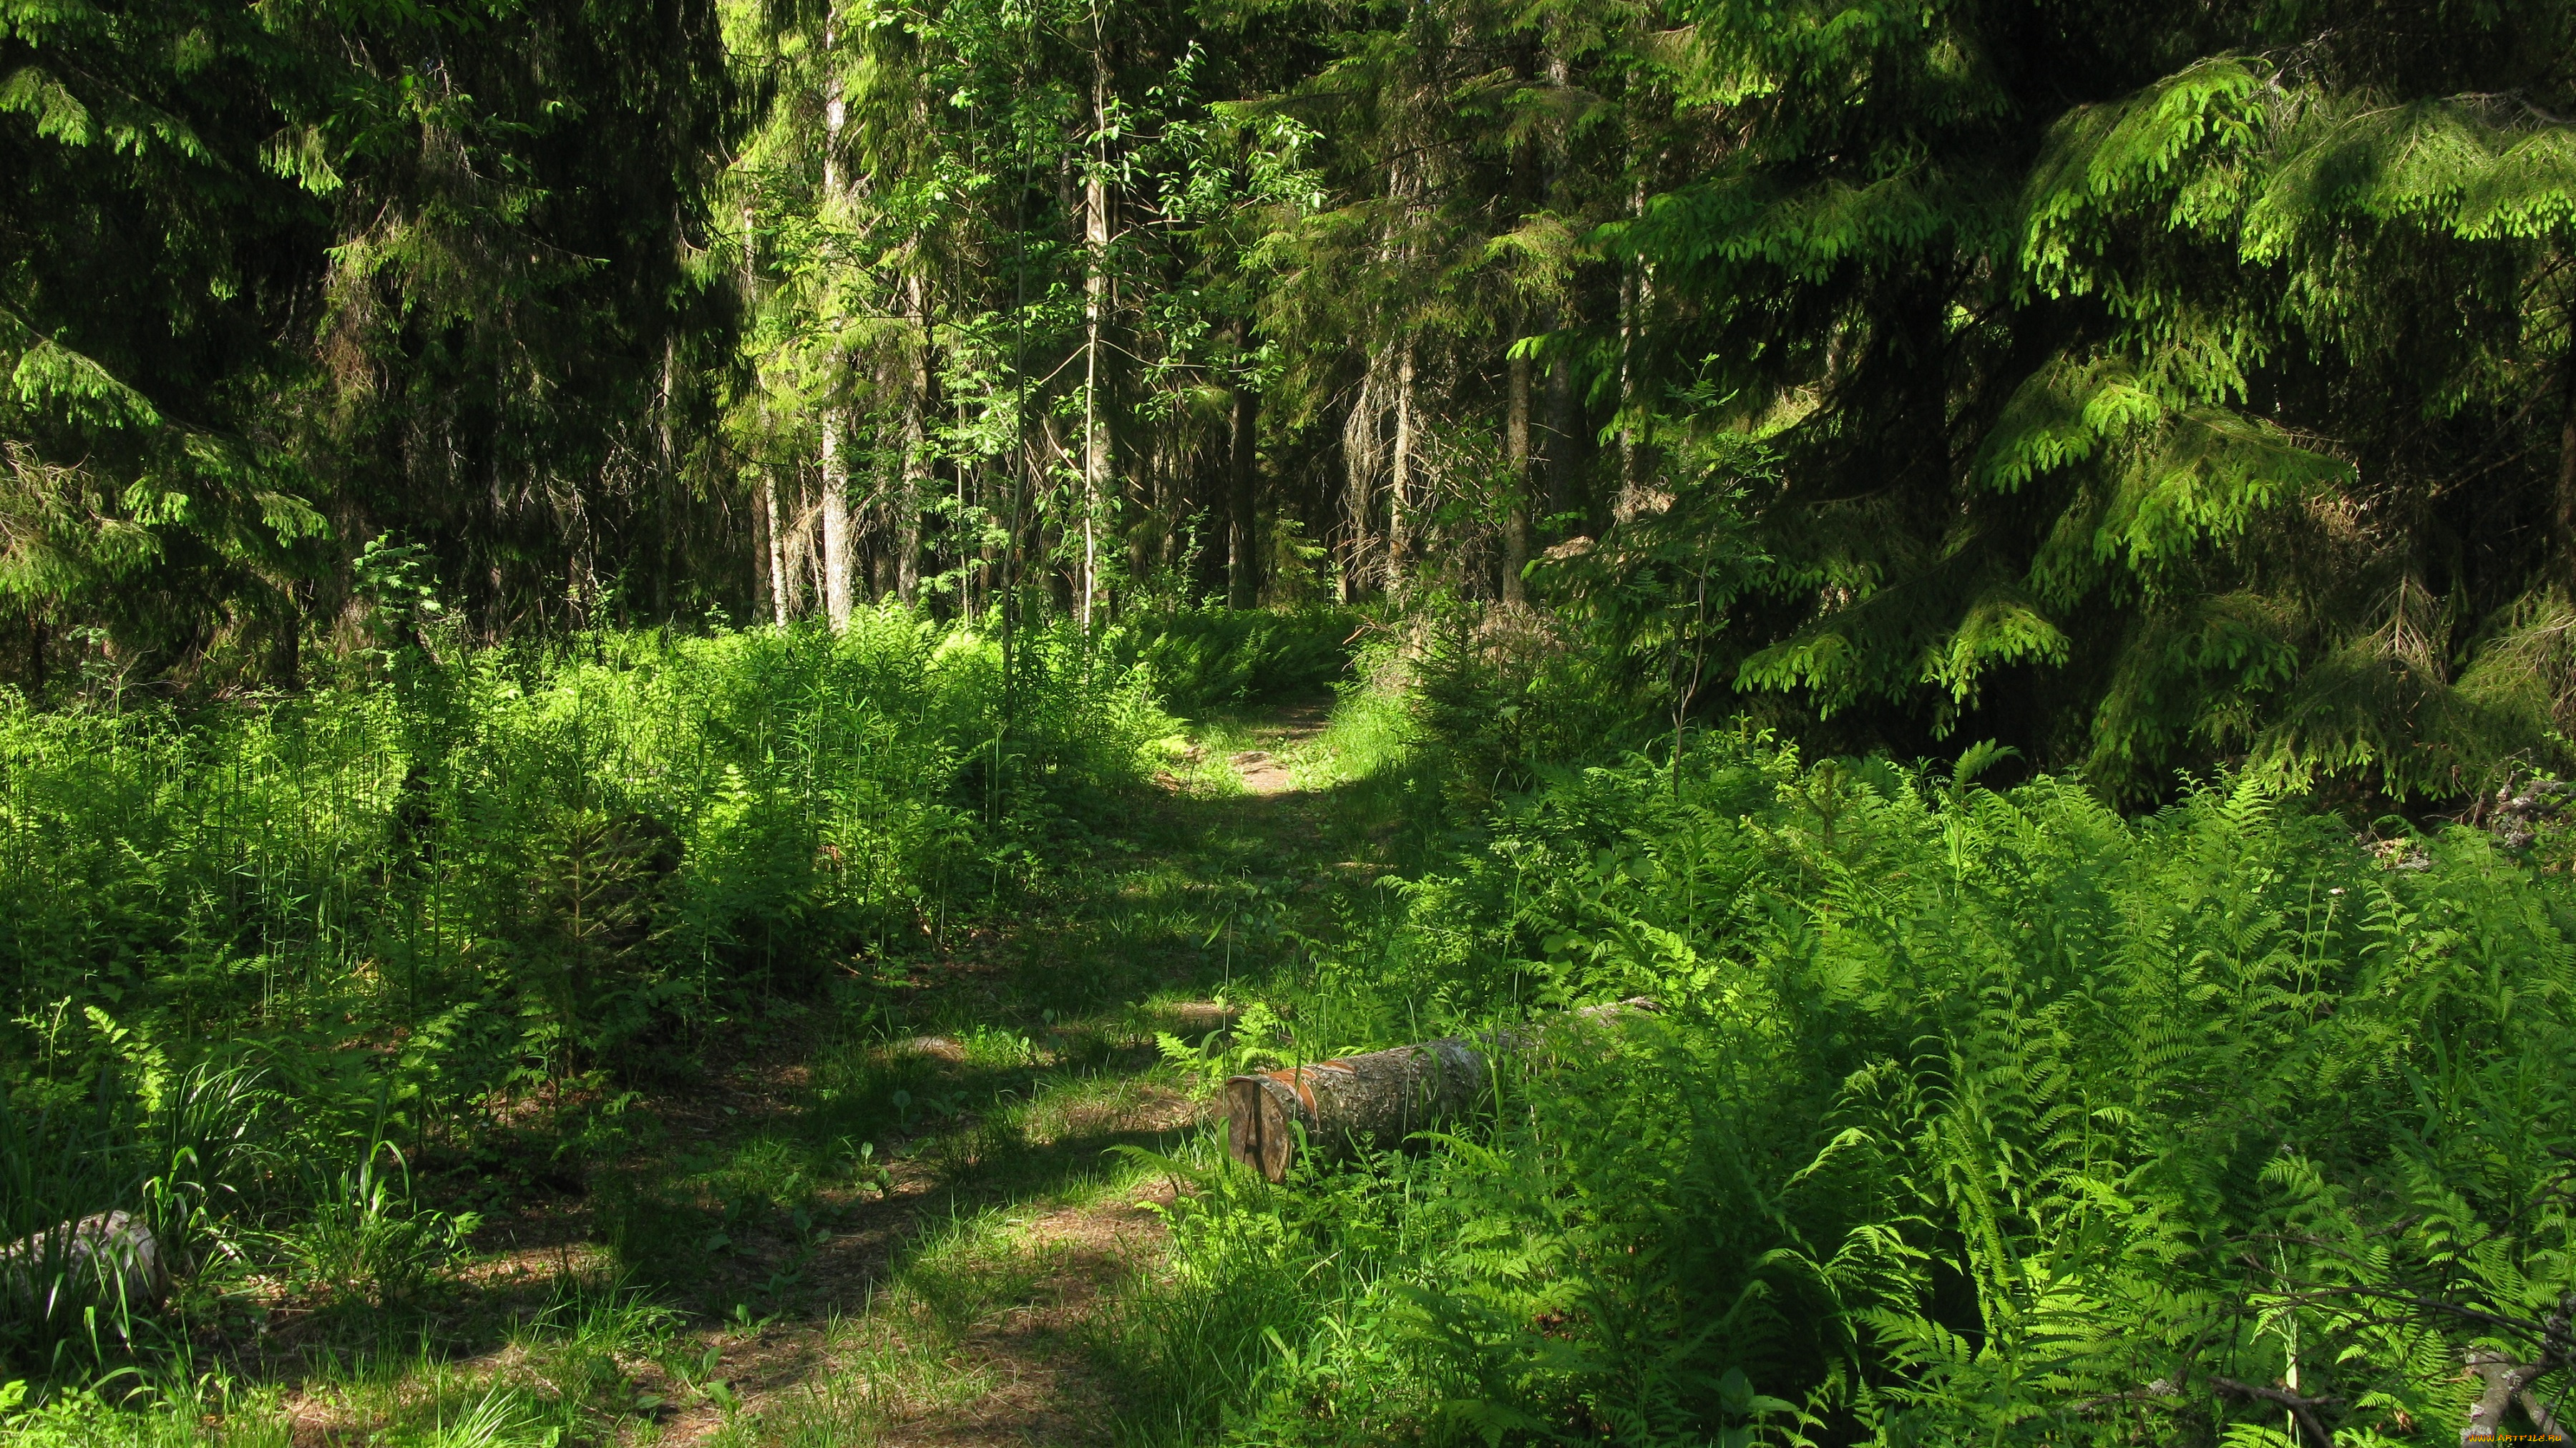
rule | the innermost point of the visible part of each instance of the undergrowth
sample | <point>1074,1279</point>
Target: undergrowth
<point>1968,1117</point>
<point>1208,656</point>
<point>1965,1115</point>
<point>264,963</point>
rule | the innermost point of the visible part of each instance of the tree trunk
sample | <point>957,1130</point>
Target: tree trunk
<point>286,646</point>
<point>1527,185</point>
<point>2567,479</point>
<point>804,552</point>
<point>1395,555</point>
<point>836,472</point>
<point>1376,1100</point>
<point>907,502</point>
<point>1630,300</point>
<point>1555,453</point>
<point>1516,477</point>
<point>1399,505</point>
<point>1243,496</point>
<point>768,570</point>
<point>781,588</point>
<point>1212,505</point>
<point>763,532</point>
<point>585,568</point>
<point>915,470</point>
<point>1095,298</point>
<point>1636,300</point>
<point>836,524</point>
<point>1145,491</point>
<point>1361,447</point>
<point>1561,447</point>
<point>667,475</point>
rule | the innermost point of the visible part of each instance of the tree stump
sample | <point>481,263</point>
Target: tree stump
<point>1377,1099</point>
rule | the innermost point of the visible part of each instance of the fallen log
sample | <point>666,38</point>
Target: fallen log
<point>1377,1099</point>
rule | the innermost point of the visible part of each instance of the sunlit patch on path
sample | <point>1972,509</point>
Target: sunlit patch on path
<point>1271,769</point>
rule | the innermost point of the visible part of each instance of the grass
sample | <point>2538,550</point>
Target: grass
<point>1364,744</point>
<point>1206,770</point>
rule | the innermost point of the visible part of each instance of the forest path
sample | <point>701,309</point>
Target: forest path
<point>920,1233</point>
<point>1269,768</point>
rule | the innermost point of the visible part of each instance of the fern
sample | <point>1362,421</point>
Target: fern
<point>1971,1114</point>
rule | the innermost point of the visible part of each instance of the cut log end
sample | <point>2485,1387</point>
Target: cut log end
<point>1259,1128</point>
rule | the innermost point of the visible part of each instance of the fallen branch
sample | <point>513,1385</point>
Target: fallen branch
<point>1377,1099</point>
<point>2541,1417</point>
<point>2160,1388</point>
<point>2303,1409</point>
<point>2507,1382</point>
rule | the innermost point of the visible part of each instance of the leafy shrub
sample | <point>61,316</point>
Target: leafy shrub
<point>580,843</point>
<point>1499,695</point>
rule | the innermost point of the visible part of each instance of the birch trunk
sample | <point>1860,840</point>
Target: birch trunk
<point>836,471</point>
<point>836,524</point>
<point>764,531</point>
<point>1095,297</point>
<point>780,588</point>
<point>1375,1101</point>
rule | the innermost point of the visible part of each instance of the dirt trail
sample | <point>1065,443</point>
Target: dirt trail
<point>1267,770</point>
<point>892,1342</point>
<point>869,1360</point>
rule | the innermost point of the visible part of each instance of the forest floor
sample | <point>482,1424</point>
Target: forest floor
<point>916,1228</point>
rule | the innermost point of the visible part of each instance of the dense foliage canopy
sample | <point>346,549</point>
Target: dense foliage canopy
<point>2144,388</point>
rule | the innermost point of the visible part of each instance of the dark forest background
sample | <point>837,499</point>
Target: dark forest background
<point>2146,388</point>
